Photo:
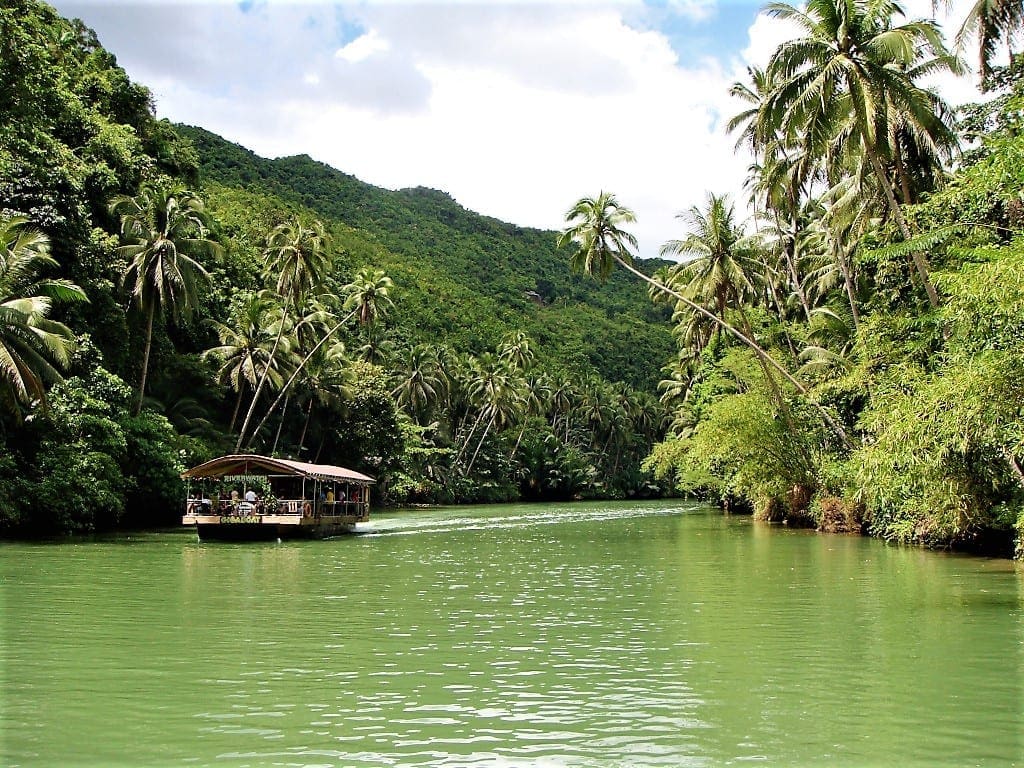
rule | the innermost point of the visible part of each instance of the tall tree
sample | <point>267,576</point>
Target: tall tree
<point>595,229</point>
<point>994,21</point>
<point>164,233</point>
<point>721,264</point>
<point>367,296</point>
<point>297,260</point>
<point>839,87</point>
<point>419,383</point>
<point>32,346</point>
<point>246,346</point>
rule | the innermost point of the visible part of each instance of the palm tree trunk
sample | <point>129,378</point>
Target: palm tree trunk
<point>919,261</point>
<point>305,426</point>
<point>480,444</point>
<point>901,173</point>
<point>145,358</point>
<point>469,437</point>
<point>847,270</point>
<point>722,325</point>
<point>789,255</point>
<point>297,371</point>
<point>518,440</point>
<point>280,424</point>
<point>238,406</point>
<point>259,389</point>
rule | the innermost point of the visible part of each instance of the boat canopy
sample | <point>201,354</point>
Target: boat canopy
<point>251,464</point>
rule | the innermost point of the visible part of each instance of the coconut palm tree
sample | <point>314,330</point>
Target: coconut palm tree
<point>419,384</point>
<point>515,350</point>
<point>246,346</point>
<point>164,234</point>
<point>366,297</point>
<point>296,257</point>
<point>32,346</point>
<point>601,243</point>
<point>501,394</point>
<point>839,86</point>
<point>994,21</point>
<point>325,380</point>
<point>721,266</point>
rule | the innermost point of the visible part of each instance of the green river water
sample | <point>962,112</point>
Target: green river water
<point>611,634</point>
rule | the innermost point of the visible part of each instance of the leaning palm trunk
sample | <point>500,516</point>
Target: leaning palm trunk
<point>480,444</point>
<point>919,261</point>
<point>259,389</point>
<point>295,374</point>
<point>846,268</point>
<point>145,358</point>
<point>280,424</point>
<point>763,356</point>
<point>305,425</point>
<point>238,407</point>
<point>469,437</point>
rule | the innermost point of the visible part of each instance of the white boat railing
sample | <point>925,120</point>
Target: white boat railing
<point>304,507</point>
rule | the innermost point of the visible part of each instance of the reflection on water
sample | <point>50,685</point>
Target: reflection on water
<point>558,635</point>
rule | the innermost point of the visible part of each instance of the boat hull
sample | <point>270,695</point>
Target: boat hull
<point>269,527</point>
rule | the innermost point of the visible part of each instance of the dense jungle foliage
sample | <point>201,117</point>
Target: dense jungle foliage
<point>850,360</point>
<point>168,296</point>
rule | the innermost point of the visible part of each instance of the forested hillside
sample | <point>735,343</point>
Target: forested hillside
<point>167,296</point>
<point>460,276</point>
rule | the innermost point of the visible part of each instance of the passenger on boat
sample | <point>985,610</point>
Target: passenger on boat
<point>250,496</point>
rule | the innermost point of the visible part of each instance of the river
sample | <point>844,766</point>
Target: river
<point>547,636</point>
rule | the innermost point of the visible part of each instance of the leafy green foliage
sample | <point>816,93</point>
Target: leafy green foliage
<point>458,275</point>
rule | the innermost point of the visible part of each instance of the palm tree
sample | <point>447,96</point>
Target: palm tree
<point>993,21</point>
<point>594,228</point>
<point>515,350</point>
<point>500,392</point>
<point>296,254</point>
<point>419,385</point>
<point>839,87</point>
<point>246,346</point>
<point>366,297</point>
<point>32,346</point>
<point>164,231</point>
<point>722,265</point>
<point>325,379</point>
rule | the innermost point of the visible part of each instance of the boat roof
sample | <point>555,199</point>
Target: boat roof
<point>246,463</point>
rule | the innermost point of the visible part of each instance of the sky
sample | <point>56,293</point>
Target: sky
<point>517,110</point>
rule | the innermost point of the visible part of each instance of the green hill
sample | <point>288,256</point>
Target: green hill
<point>159,334</point>
<point>460,277</point>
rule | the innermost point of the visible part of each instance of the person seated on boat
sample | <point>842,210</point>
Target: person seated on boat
<point>250,496</point>
<point>330,501</point>
<point>191,505</point>
<point>205,505</point>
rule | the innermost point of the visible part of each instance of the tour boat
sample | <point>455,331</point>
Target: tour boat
<point>244,497</point>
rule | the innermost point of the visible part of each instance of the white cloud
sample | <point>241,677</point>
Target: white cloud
<point>363,47</point>
<point>516,110</point>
